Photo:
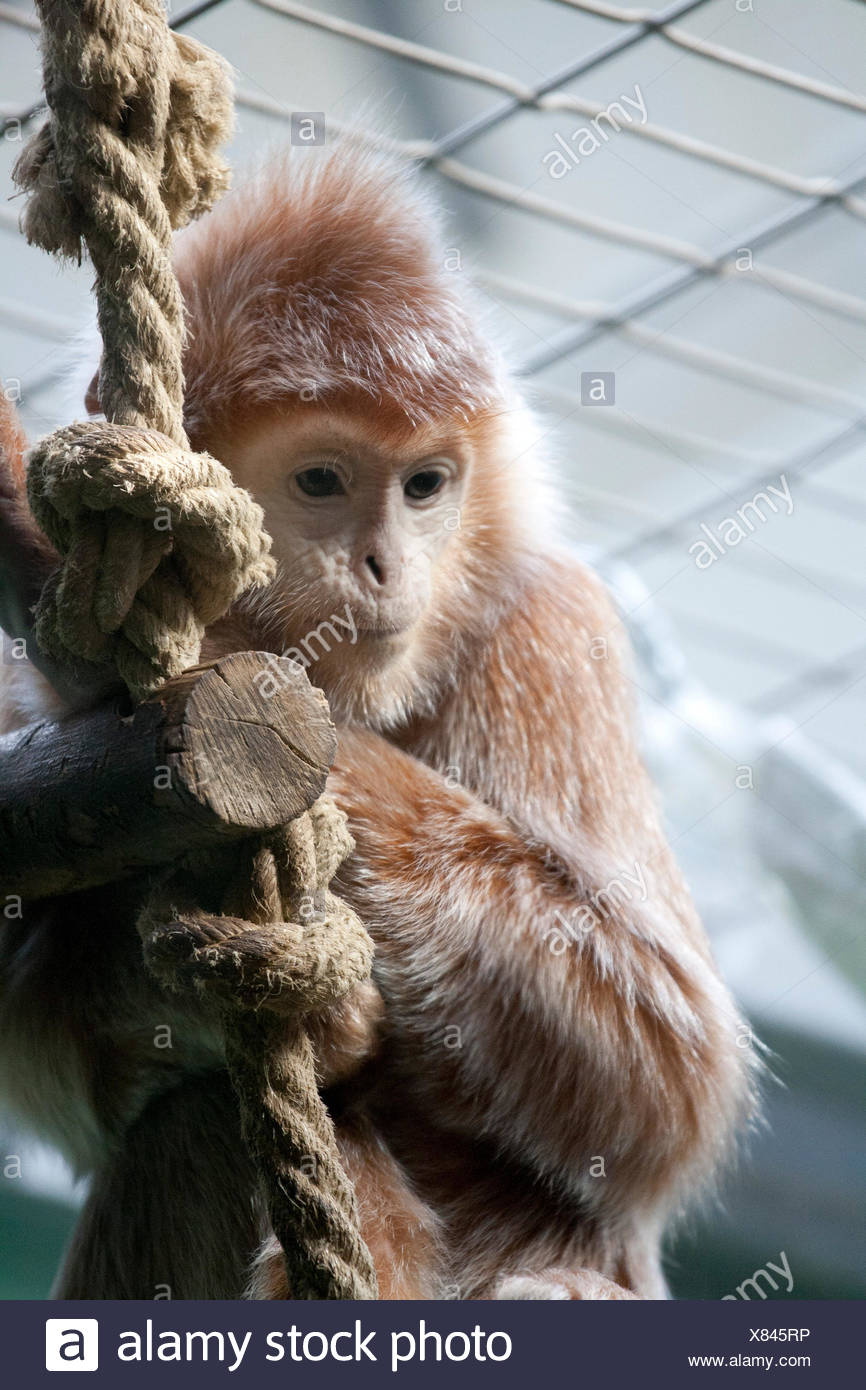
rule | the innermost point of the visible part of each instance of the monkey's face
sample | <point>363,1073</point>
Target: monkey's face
<point>361,519</point>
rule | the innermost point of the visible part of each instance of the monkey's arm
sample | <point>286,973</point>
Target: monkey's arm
<point>26,557</point>
<point>528,1004</point>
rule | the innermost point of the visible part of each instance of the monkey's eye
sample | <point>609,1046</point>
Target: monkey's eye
<point>319,482</point>
<point>423,484</point>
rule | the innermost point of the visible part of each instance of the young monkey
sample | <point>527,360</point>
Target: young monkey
<point>556,1071</point>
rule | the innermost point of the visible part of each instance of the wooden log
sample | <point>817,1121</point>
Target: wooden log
<point>217,754</point>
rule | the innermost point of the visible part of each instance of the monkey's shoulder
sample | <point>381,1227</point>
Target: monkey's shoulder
<point>557,609</point>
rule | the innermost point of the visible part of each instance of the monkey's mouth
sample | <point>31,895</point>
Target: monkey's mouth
<point>382,632</point>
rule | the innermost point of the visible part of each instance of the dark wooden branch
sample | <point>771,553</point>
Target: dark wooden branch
<point>216,754</point>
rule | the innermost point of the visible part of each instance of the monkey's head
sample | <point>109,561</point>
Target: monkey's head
<point>335,365</point>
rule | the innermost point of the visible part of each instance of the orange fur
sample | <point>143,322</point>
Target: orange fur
<point>12,445</point>
<point>26,559</point>
<point>20,538</point>
<point>324,280</point>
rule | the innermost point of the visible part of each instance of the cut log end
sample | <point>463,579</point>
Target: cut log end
<point>256,740</point>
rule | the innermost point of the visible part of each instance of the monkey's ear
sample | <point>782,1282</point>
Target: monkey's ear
<point>91,396</point>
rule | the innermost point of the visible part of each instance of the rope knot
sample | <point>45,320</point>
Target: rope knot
<point>156,543</point>
<point>120,82</point>
<point>292,968</point>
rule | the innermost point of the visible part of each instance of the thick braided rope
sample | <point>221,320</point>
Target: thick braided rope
<point>266,978</point>
<point>131,150</point>
<point>156,542</point>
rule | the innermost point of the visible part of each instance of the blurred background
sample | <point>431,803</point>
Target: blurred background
<point>664,207</point>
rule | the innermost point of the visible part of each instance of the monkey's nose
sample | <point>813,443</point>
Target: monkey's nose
<point>375,569</point>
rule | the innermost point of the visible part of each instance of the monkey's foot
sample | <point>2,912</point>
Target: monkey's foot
<point>559,1284</point>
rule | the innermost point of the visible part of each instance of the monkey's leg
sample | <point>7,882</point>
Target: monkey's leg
<point>174,1213</point>
<point>400,1230</point>
<point>559,1283</point>
<point>632,1270</point>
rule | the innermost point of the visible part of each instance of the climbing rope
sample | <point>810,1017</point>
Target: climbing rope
<point>129,152</point>
<point>156,542</point>
<point>269,974</point>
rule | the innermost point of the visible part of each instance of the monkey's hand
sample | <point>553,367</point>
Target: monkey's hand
<point>347,1035</point>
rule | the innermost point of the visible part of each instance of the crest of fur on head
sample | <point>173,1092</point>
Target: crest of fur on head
<point>323,279</point>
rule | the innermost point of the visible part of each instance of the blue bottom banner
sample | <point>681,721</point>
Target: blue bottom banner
<point>501,1344</point>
